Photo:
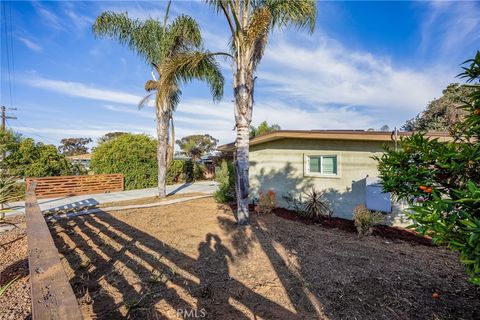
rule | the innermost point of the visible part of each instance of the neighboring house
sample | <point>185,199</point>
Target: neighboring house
<point>338,163</point>
<point>82,159</point>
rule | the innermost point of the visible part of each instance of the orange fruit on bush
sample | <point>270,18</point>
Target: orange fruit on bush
<point>435,295</point>
<point>428,190</point>
<point>423,188</point>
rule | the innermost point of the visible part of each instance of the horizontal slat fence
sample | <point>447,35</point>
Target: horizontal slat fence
<point>52,294</point>
<point>66,186</point>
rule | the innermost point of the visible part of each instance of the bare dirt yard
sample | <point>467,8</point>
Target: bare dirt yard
<point>15,300</point>
<point>191,259</point>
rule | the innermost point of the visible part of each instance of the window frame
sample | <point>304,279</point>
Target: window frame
<point>306,165</point>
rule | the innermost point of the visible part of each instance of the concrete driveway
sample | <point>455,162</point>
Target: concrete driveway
<point>207,187</point>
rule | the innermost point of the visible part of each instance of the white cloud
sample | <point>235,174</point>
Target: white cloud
<point>330,74</point>
<point>76,89</point>
<point>79,21</point>
<point>30,44</point>
<point>50,18</point>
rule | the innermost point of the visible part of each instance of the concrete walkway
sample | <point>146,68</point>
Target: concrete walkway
<point>207,187</point>
<point>119,208</point>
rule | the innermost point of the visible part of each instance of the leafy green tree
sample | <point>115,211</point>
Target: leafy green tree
<point>175,52</point>
<point>110,135</point>
<point>30,159</point>
<point>250,23</point>
<point>133,155</point>
<point>444,113</point>
<point>385,128</point>
<point>441,180</point>
<point>263,128</point>
<point>74,146</point>
<point>198,145</point>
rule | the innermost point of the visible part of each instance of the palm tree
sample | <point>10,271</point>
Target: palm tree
<point>175,52</point>
<point>250,22</point>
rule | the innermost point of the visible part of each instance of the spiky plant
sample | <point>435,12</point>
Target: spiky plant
<point>7,193</point>
<point>175,52</point>
<point>315,206</point>
<point>250,22</point>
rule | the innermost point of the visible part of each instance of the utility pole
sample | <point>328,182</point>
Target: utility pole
<point>5,117</point>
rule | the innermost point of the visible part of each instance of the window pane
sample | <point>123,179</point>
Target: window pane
<point>329,165</point>
<point>314,164</point>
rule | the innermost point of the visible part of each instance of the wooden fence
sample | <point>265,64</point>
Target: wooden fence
<point>66,186</point>
<point>51,293</point>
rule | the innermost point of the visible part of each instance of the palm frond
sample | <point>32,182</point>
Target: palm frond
<point>151,85</point>
<point>256,35</point>
<point>144,101</point>
<point>198,65</point>
<point>184,32</point>
<point>143,37</point>
<point>301,13</point>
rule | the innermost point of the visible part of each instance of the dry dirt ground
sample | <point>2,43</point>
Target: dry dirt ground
<point>191,259</point>
<point>15,302</point>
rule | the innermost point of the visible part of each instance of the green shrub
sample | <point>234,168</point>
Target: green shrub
<point>225,177</point>
<point>441,181</point>
<point>365,219</point>
<point>267,201</point>
<point>176,172</point>
<point>133,155</point>
<point>7,192</point>
<point>198,171</point>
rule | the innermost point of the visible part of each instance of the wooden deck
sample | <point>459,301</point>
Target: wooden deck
<point>52,295</point>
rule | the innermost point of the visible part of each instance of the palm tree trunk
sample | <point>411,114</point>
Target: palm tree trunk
<point>243,92</point>
<point>163,119</point>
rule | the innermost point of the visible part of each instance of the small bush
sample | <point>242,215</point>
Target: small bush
<point>176,172</point>
<point>365,219</point>
<point>315,207</point>
<point>225,177</point>
<point>7,193</point>
<point>266,202</point>
<point>198,171</point>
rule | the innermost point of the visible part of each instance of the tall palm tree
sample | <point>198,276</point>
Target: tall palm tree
<point>175,52</point>
<point>250,22</point>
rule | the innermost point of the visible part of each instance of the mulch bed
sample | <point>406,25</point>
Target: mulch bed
<point>149,263</point>
<point>387,232</point>
<point>15,302</point>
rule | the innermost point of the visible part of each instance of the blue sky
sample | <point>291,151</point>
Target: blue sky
<point>367,64</point>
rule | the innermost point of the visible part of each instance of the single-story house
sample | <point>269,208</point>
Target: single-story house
<point>338,163</point>
<point>84,160</point>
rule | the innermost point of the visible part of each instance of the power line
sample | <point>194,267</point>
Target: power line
<point>34,134</point>
<point>8,51</point>
<point>13,58</point>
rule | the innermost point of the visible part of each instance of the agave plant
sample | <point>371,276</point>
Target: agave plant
<point>7,193</point>
<point>315,206</point>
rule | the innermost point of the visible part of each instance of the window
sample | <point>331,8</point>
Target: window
<point>322,165</point>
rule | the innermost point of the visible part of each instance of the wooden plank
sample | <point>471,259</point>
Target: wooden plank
<point>52,295</point>
<point>50,187</point>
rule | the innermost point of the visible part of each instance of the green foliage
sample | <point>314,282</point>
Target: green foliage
<point>198,171</point>
<point>441,181</point>
<point>110,135</point>
<point>196,146</point>
<point>442,114</point>
<point>176,172</point>
<point>365,219</point>
<point>225,177</point>
<point>74,146</point>
<point>7,192</point>
<point>30,159</point>
<point>263,128</point>
<point>134,155</point>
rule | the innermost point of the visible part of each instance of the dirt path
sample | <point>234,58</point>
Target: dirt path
<point>192,259</point>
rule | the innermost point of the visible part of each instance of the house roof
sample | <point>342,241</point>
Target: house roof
<point>351,135</point>
<point>85,156</point>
